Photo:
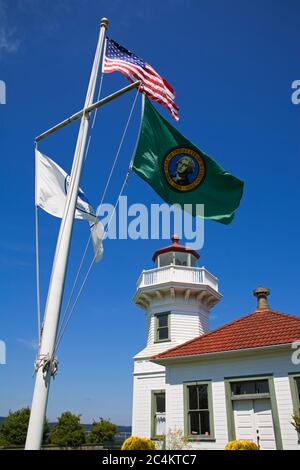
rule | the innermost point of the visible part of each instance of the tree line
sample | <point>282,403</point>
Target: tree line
<point>67,432</point>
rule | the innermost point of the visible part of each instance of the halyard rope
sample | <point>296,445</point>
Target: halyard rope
<point>69,311</point>
<point>37,265</point>
<point>38,292</point>
<point>63,329</point>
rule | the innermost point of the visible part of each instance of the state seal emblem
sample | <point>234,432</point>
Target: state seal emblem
<point>184,169</point>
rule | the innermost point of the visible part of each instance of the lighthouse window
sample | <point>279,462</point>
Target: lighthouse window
<point>162,329</point>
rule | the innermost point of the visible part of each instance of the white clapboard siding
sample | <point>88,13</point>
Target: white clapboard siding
<point>184,325</point>
<point>278,364</point>
<point>142,387</point>
<point>285,410</point>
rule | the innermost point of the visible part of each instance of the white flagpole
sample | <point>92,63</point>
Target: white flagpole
<point>46,364</point>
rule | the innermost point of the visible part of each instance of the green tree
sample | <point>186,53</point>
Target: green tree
<point>14,428</point>
<point>68,432</point>
<point>101,431</point>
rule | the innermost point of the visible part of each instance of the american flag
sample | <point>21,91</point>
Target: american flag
<point>117,58</point>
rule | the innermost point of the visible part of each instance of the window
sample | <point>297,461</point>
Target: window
<point>295,390</point>
<point>297,383</point>
<point>199,418</point>
<point>162,327</point>
<point>158,413</point>
<point>182,259</point>
<point>165,259</point>
<point>253,387</point>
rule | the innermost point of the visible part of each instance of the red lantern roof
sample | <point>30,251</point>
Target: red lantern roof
<point>175,247</point>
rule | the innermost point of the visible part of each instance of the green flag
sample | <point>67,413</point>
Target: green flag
<point>180,173</point>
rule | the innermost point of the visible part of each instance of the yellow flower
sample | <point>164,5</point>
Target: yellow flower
<point>241,445</point>
<point>138,443</point>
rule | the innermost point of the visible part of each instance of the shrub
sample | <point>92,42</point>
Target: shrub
<point>138,443</point>
<point>68,432</point>
<point>173,440</point>
<point>101,431</point>
<point>241,445</point>
<point>296,422</point>
<point>14,428</point>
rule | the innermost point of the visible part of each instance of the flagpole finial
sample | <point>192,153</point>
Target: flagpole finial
<point>104,22</point>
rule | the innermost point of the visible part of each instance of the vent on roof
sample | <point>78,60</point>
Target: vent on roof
<point>261,293</point>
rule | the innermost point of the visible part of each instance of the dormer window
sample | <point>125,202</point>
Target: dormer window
<point>162,327</point>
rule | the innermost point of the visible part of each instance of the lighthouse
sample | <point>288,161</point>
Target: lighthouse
<point>176,296</point>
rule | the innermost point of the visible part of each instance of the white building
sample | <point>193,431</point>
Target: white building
<point>239,381</point>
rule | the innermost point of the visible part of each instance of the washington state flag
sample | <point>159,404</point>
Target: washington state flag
<point>180,173</point>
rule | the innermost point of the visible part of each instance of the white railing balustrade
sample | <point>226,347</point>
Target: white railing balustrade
<point>173,273</point>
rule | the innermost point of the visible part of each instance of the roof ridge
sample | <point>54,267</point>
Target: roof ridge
<point>296,317</point>
<point>226,325</point>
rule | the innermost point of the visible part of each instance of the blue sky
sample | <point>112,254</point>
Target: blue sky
<point>232,64</point>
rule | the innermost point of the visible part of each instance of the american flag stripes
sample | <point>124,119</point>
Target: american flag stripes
<point>117,58</point>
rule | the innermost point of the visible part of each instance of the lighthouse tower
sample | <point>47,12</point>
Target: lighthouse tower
<point>176,297</point>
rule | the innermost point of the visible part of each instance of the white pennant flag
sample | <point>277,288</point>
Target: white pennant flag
<point>51,186</point>
<point>97,234</point>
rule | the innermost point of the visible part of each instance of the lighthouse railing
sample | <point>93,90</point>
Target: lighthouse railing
<point>175,273</point>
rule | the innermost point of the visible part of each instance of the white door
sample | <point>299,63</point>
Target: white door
<point>253,419</point>
<point>264,424</point>
<point>244,420</point>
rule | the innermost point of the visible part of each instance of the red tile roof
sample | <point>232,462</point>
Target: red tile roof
<point>260,328</point>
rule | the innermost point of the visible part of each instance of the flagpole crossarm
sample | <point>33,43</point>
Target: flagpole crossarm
<point>86,111</point>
